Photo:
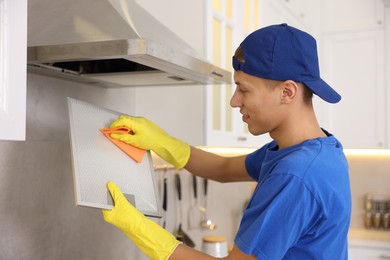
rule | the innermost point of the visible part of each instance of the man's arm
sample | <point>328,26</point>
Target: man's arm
<point>215,167</point>
<point>151,238</point>
<point>147,135</point>
<point>185,252</point>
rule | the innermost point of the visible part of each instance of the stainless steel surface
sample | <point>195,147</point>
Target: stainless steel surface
<point>206,223</point>
<point>165,202</point>
<point>112,31</point>
<point>386,220</point>
<point>195,211</point>
<point>181,235</point>
<point>368,219</point>
<point>377,220</point>
<point>116,63</point>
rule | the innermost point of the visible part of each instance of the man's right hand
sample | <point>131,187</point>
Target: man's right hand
<point>147,135</point>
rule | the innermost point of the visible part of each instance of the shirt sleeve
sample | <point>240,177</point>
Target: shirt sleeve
<point>254,161</point>
<point>281,210</point>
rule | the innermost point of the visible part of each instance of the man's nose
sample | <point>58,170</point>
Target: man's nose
<point>234,100</point>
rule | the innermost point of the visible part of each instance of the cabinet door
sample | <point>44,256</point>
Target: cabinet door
<point>13,47</point>
<point>302,14</point>
<point>353,64</point>
<point>368,253</point>
<point>305,12</point>
<point>350,15</point>
<point>228,23</point>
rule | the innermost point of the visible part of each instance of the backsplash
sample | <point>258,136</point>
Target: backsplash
<point>369,174</point>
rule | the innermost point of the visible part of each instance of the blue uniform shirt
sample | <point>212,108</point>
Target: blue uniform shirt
<point>301,206</point>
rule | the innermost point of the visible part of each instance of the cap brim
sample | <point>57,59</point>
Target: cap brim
<point>323,90</point>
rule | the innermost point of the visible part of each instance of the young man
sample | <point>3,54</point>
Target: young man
<point>301,206</point>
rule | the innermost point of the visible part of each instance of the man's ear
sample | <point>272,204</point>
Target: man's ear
<point>289,91</point>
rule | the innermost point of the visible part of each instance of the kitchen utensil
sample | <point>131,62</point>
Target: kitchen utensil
<point>205,222</point>
<point>164,204</point>
<point>195,211</point>
<point>180,234</point>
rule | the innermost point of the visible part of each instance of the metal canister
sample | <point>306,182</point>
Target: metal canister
<point>368,219</point>
<point>377,219</point>
<point>386,220</point>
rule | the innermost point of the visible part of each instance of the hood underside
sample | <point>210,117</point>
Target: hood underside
<point>111,43</point>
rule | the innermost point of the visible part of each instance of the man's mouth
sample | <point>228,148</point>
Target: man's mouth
<point>245,117</point>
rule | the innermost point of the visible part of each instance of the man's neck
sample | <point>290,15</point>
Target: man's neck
<point>296,129</point>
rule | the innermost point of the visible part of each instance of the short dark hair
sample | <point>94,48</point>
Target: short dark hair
<point>239,54</point>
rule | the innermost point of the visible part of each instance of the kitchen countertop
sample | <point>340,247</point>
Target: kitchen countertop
<point>379,237</point>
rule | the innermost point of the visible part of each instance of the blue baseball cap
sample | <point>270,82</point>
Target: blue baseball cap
<point>282,52</point>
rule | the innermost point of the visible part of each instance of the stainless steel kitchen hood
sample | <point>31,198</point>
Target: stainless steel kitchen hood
<point>111,43</point>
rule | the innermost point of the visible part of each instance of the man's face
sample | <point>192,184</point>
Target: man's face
<point>258,101</point>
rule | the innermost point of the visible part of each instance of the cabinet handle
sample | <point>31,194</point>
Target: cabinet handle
<point>241,138</point>
<point>216,73</point>
<point>384,257</point>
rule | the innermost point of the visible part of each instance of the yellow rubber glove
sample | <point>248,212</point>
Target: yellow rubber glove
<point>153,240</point>
<point>147,135</point>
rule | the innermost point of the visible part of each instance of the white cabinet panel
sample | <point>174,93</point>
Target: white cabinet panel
<point>368,250</point>
<point>356,253</point>
<point>352,14</point>
<point>351,40</point>
<point>13,46</point>
<point>305,12</point>
<point>276,12</point>
<point>228,23</point>
<point>353,63</point>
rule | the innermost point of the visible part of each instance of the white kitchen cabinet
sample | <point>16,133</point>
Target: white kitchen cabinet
<point>352,15</point>
<point>292,12</point>
<point>228,22</point>
<point>351,46</point>
<point>387,66</point>
<point>353,63</point>
<point>13,47</point>
<point>303,14</point>
<point>368,250</point>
